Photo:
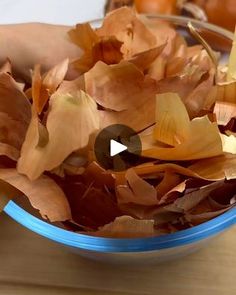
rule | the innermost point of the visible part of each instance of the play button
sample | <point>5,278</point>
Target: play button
<point>117,147</point>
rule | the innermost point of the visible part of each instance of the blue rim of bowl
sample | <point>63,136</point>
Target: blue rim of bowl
<point>98,244</point>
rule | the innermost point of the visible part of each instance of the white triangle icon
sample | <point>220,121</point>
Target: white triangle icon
<point>116,148</point>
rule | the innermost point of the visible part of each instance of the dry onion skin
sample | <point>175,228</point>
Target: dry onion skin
<point>141,73</point>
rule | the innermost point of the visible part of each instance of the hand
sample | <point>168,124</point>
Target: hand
<point>35,43</point>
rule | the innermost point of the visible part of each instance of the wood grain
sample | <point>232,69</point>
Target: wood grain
<point>31,264</point>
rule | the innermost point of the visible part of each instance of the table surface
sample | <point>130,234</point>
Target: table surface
<point>34,265</point>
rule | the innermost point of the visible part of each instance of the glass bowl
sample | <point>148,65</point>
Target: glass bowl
<point>142,250</point>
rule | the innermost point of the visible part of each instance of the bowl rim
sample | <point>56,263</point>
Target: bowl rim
<point>99,244</point>
<point>182,21</point>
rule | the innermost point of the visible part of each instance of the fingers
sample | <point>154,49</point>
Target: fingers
<point>29,44</point>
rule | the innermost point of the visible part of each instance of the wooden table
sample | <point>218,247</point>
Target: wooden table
<point>30,264</point>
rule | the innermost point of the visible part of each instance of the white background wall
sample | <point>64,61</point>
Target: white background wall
<point>51,11</point>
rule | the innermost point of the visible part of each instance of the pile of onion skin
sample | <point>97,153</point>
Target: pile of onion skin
<point>140,73</point>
